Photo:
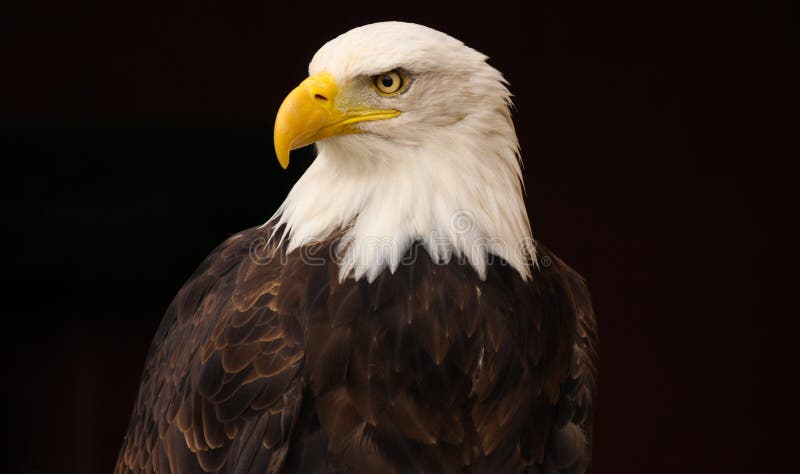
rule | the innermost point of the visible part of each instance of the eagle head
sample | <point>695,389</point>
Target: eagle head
<point>415,143</point>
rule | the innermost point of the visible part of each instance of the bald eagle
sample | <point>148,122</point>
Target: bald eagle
<point>395,314</point>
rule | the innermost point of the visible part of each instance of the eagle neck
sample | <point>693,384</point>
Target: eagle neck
<point>461,201</point>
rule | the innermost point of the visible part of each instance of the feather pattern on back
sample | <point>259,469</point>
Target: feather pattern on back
<point>267,363</point>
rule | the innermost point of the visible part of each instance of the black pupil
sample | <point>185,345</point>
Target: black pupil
<point>387,81</point>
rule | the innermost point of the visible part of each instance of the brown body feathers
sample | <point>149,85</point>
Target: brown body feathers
<point>266,363</point>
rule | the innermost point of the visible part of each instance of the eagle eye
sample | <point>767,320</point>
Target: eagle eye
<point>390,83</point>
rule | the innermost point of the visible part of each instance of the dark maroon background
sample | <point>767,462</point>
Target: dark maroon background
<point>137,135</point>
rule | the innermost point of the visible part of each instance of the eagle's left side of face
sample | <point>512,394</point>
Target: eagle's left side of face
<point>393,83</point>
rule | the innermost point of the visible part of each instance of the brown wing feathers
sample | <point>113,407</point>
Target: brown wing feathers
<point>220,390</point>
<point>570,442</point>
<point>261,367</point>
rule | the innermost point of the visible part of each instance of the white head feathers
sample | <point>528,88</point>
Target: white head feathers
<point>445,171</point>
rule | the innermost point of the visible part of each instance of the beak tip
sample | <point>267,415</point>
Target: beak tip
<point>283,159</point>
<point>282,148</point>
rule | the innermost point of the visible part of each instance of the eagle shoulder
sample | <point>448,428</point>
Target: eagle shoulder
<point>570,443</point>
<point>221,388</point>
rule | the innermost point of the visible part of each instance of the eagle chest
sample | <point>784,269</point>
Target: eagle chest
<point>428,360</point>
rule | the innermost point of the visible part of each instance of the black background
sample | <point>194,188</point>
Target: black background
<point>137,135</point>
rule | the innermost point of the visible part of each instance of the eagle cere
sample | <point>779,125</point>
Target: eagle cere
<point>428,333</point>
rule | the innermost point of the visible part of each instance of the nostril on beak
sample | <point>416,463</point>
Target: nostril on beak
<point>320,97</point>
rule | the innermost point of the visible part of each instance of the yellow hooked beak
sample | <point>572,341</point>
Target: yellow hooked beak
<point>310,113</point>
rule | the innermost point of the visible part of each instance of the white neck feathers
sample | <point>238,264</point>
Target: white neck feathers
<point>458,190</point>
